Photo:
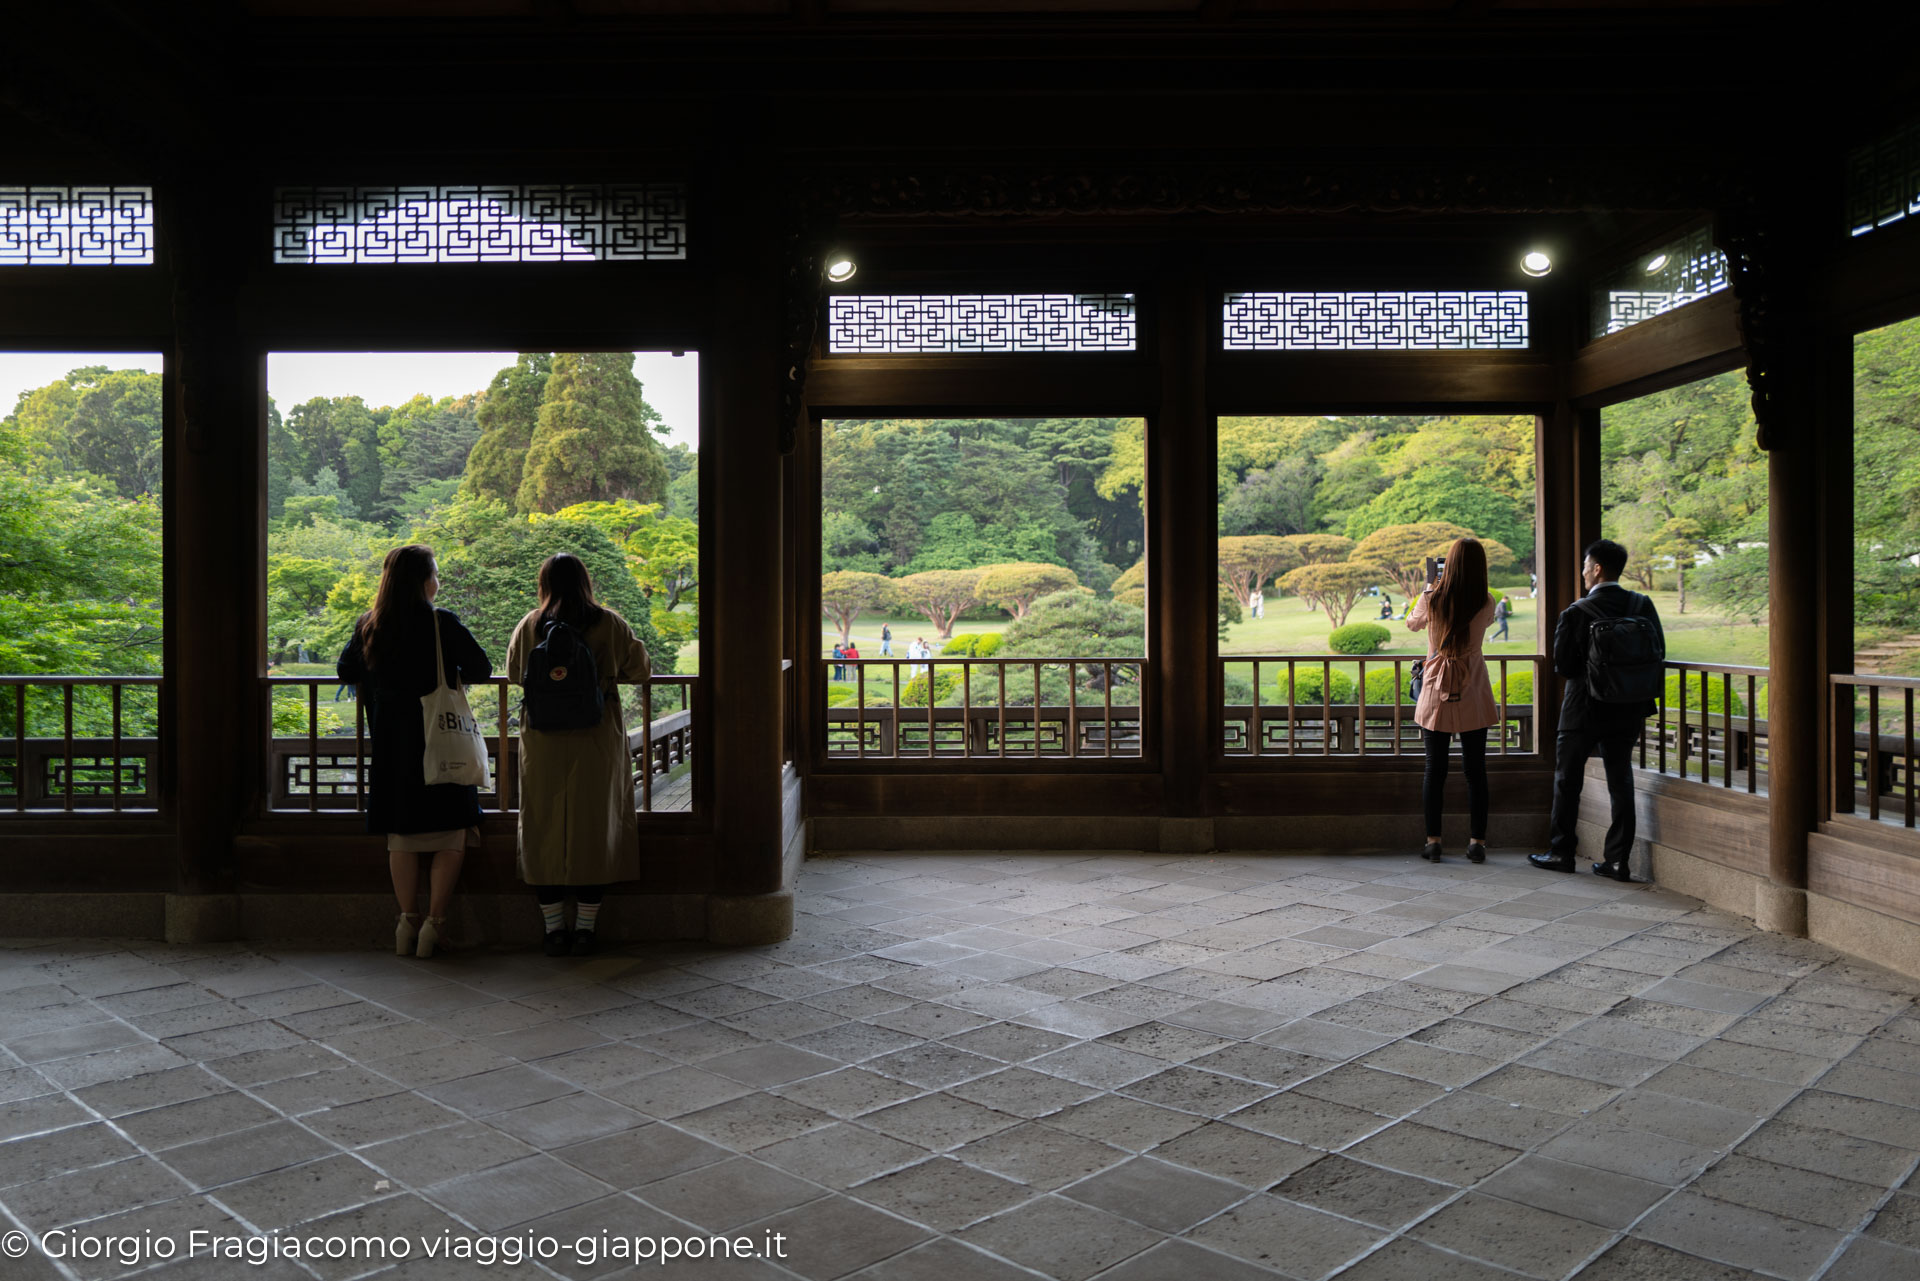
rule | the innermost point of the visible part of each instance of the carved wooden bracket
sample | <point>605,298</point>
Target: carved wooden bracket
<point>1773,317</point>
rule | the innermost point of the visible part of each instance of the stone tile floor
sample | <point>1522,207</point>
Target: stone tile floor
<point>1127,1067</point>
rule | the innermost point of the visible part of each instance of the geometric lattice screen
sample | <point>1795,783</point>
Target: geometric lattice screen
<point>980,322</point>
<point>1376,321</point>
<point>530,222</point>
<point>1883,181</point>
<point>76,226</point>
<point>1673,275</point>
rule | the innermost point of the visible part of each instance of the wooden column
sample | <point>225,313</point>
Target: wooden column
<point>740,522</point>
<point>1567,492</point>
<point>215,499</point>
<point>1182,596</point>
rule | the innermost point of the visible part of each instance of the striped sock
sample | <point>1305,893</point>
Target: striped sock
<point>584,915</point>
<point>555,914</point>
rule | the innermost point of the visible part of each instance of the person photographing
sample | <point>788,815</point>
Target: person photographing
<point>1453,695</point>
<point>1611,649</point>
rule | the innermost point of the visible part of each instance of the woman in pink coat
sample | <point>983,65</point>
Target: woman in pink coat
<point>1456,696</point>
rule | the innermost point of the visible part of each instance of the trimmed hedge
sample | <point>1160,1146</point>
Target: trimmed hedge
<point>945,685</point>
<point>1358,638</point>
<point>1307,686</point>
<point>1716,702</point>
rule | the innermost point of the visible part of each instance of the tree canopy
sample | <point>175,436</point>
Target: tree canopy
<point>594,438</point>
<point>1016,585</point>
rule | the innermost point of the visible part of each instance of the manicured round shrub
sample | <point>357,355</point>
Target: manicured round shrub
<point>989,644</point>
<point>1383,688</point>
<point>963,645</point>
<point>1358,638</point>
<point>1519,686</point>
<point>1307,686</point>
<point>1716,697</point>
<point>914,693</point>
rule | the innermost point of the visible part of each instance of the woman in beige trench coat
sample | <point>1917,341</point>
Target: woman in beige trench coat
<point>578,833</point>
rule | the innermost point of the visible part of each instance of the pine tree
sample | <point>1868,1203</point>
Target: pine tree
<point>594,441</point>
<point>508,413</point>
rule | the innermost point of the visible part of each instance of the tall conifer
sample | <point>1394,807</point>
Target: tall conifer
<point>508,413</point>
<point>594,441</point>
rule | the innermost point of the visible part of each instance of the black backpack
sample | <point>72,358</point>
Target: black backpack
<point>1626,655</point>
<point>562,682</point>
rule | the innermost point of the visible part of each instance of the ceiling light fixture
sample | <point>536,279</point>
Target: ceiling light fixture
<point>1536,264</point>
<point>1656,264</point>
<point>840,268</point>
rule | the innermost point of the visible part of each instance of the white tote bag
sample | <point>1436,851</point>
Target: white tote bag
<point>456,751</point>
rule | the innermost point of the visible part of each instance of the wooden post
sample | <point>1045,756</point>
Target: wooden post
<point>216,590</point>
<point>1182,607</point>
<point>741,466</point>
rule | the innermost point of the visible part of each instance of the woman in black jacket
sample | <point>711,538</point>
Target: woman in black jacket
<point>391,659</point>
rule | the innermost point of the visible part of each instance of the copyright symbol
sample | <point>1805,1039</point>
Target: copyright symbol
<point>14,1245</point>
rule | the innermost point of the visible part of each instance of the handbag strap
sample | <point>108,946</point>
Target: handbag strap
<point>439,659</point>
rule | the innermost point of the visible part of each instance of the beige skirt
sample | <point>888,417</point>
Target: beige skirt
<point>427,842</point>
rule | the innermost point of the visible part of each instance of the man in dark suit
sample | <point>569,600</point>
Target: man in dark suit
<point>1586,722</point>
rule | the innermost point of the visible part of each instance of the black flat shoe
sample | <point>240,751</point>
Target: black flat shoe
<point>583,942</point>
<point>1476,851</point>
<point>1431,852</point>
<point>1552,862</point>
<point>1613,871</point>
<point>559,942</point>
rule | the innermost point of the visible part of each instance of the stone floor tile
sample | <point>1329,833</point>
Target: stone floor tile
<point>1655,1158</point>
<point>1182,1258</point>
<point>1595,1196</point>
<point>1536,1242</point>
<point>1407,1258</point>
<point>1253,1160</point>
<point>674,1092</point>
<point>633,1158</point>
<point>333,1087</point>
<point>1898,1221</point>
<point>1041,1156</point>
<point>1743,1237</point>
<point>299,1193</point>
<point>943,1193</point>
<point>1432,1154</point>
<point>1861,1118</point>
<point>1191,1089</point>
<point>39,1115</point>
<point>1688,1120</point>
<point>1097,1064</point>
<point>94,1191</point>
<point>833,1237</point>
<point>1480,1116</point>
<point>1304,1119</point>
<point>201,1118</point>
<point>1011,1042</point>
<point>937,1121</point>
<point>1547,1090</point>
<point>1060,1239</point>
<point>944,1259</point>
<point>1783,1190</point>
<point>420,1160</point>
<point>753,1121</point>
<point>838,1156</point>
<point>1632,1259</point>
<point>1367,1193</point>
<point>1358,1086</point>
<point>213,1162</point>
<point>1826,1151</point>
<point>854,1042</point>
<point>1154,1194</point>
<point>1024,1093</point>
<point>518,1192</point>
<point>1871,1259</point>
<point>1288,1237</point>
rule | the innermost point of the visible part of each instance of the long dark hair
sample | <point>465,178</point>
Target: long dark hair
<point>403,590</point>
<point>1462,593</point>
<point>566,591</point>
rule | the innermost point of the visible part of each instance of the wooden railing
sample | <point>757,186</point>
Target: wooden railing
<point>324,770</point>
<point>1712,725</point>
<point>55,760</point>
<point>1326,705</point>
<point>1873,761</point>
<point>952,709</point>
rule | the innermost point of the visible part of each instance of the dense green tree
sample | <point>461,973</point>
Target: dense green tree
<point>1271,500</point>
<point>847,543</point>
<point>1076,624</point>
<point>594,441</point>
<point>846,594</point>
<point>96,422</point>
<point>1403,550</point>
<point>1014,586</point>
<point>1886,460</point>
<point>1248,564</point>
<point>339,433</point>
<point>1336,586</point>
<point>1448,494</point>
<point>683,483</point>
<point>940,595</point>
<point>507,413</point>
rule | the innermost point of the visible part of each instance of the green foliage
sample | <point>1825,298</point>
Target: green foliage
<point>1385,688</point>
<point>95,422</point>
<point>1519,686</point>
<point>962,645</point>
<point>1716,697</point>
<point>1016,585</point>
<point>1308,682</point>
<point>594,441</point>
<point>989,644</point>
<point>846,594</point>
<point>939,595</point>
<point>1076,624</point>
<point>946,687</point>
<point>508,413</point>
<point>1130,588</point>
<point>847,544</point>
<point>1358,638</point>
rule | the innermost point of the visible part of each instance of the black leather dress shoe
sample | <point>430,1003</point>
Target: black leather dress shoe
<point>1552,862</point>
<point>559,942</point>
<point>1613,871</point>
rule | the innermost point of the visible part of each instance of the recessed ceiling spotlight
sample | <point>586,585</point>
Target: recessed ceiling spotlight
<point>1656,264</point>
<point>840,268</point>
<point>1536,264</point>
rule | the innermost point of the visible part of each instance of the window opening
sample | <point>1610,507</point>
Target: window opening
<point>1681,271</point>
<point>984,588</point>
<point>980,323</point>
<point>593,222</point>
<point>1683,485</point>
<point>1883,181</point>
<point>76,226</point>
<point>1376,321</point>
<point>1328,527</point>
<point>81,612</point>
<point>495,460</point>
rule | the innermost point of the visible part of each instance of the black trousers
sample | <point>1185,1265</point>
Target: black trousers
<point>1570,777</point>
<point>1473,761</point>
<point>549,894</point>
